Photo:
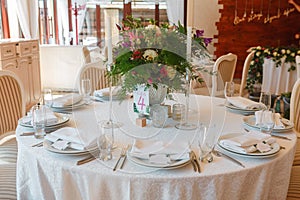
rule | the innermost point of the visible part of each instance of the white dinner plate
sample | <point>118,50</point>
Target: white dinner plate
<point>68,108</point>
<point>275,148</point>
<point>47,145</point>
<point>250,121</point>
<point>241,110</point>
<point>147,163</point>
<point>61,120</point>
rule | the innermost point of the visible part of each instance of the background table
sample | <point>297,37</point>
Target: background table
<point>45,175</point>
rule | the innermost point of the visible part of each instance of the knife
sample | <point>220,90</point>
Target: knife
<point>281,137</point>
<point>196,161</point>
<point>86,160</point>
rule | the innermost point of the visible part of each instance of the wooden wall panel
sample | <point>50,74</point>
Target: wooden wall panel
<point>240,37</point>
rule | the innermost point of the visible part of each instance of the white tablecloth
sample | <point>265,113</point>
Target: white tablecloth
<point>278,80</point>
<point>45,175</point>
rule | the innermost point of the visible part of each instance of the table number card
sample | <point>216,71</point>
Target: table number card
<point>141,100</point>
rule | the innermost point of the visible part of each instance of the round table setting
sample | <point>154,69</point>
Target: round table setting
<point>47,173</point>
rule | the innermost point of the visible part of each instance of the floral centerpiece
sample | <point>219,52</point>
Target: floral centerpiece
<point>155,55</point>
<point>278,55</point>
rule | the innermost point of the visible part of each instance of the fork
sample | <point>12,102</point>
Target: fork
<point>122,155</point>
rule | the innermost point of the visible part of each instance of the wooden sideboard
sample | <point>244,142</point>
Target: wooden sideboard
<point>22,57</point>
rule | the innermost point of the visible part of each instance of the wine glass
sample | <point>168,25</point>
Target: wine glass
<point>86,89</point>
<point>207,139</point>
<point>265,98</point>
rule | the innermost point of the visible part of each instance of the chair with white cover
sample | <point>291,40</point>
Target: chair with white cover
<point>294,186</point>
<point>298,66</point>
<point>96,72</point>
<point>246,67</point>
<point>12,108</point>
<point>225,67</point>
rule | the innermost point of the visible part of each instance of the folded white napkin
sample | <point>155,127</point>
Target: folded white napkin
<point>51,118</point>
<point>160,152</point>
<point>66,100</point>
<point>245,103</point>
<point>105,92</point>
<point>249,142</point>
<point>70,137</point>
<point>278,123</point>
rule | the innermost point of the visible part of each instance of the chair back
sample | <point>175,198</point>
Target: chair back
<point>245,72</point>
<point>96,73</point>
<point>298,66</point>
<point>295,106</point>
<point>225,68</point>
<point>12,104</point>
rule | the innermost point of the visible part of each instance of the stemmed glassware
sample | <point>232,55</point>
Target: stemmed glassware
<point>207,138</point>
<point>86,89</point>
<point>265,98</point>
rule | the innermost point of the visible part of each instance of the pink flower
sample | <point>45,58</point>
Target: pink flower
<point>163,71</point>
<point>150,81</point>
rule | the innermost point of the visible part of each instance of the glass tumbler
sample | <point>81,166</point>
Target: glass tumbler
<point>229,89</point>
<point>105,141</point>
<point>159,115</point>
<point>267,122</point>
<point>39,121</point>
<point>178,112</point>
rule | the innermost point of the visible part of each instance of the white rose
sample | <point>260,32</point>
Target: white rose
<point>257,53</point>
<point>252,62</point>
<point>288,51</point>
<point>258,48</point>
<point>283,51</point>
<point>150,54</point>
<point>275,53</point>
<point>298,52</point>
<point>293,54</point>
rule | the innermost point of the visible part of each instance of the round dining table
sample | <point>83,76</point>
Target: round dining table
<point>45,174</point>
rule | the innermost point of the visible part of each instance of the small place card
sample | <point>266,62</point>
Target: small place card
<point>141,100</point>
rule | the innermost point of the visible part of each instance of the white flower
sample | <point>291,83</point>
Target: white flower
<point>288,51</point>
<point>150,54</point>
<point>258,48</point>
<point>252,62</point>
<point>257,53</point>
<point>275,53</point>
<point>154,27</point>
<point>266,50</point>
<point>171,72</point>
<point>293,54</point>
<point>283,51</point>
<point>298,52</point>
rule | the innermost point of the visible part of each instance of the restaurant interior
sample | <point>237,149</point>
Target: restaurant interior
<point>150,99</point>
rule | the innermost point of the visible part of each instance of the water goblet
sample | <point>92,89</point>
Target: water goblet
<point>105,142</point>
<point>39,120</point>
<point>265,98</point>
<point>208,137</point>
<point>86,89</point>
<point>267,122</point>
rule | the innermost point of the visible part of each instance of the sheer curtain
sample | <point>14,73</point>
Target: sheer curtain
<point>175,11</point>
<point>27,12</point>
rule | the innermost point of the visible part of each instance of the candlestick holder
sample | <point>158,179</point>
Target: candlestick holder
<point>185,124</point>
